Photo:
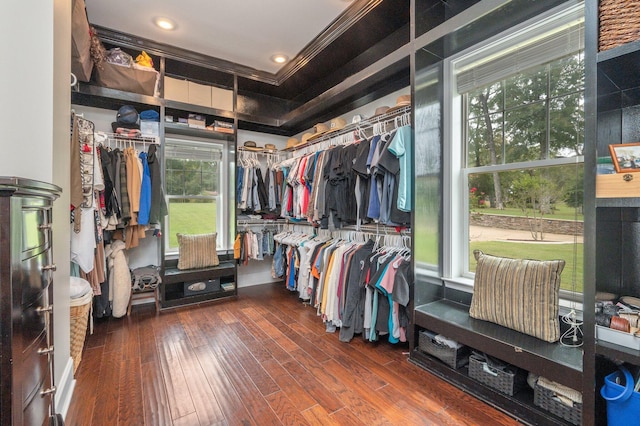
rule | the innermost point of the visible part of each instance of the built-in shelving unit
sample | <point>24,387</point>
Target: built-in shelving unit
<point>612,101</point>
<point>221,280</point>
<point>441,32</point>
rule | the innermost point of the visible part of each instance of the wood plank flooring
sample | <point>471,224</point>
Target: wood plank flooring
<point>262,358</point>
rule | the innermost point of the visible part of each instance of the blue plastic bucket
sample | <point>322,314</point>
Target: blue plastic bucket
<point>623,404</point>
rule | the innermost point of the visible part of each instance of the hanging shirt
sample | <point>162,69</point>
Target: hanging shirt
<point>401,148</point>
<point>145,191</point>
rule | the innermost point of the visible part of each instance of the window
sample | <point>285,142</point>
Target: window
<point>520,99</point>
<point>195,180</point>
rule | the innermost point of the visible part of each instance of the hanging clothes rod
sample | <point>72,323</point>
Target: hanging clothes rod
<point>265,152</point>
<point>378,125</point>
<point>120,140</point>
<point>258,222</point>
<point>371,230</point>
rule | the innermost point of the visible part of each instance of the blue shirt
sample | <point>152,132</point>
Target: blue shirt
<point>401,148</point>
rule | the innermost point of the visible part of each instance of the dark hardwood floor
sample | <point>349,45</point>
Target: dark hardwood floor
<point>262,358</point>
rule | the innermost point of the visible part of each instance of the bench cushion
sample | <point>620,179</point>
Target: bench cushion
<point>197,251</point>
<point>521,294</point>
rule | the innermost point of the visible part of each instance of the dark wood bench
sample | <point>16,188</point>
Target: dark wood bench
<point>175,283</point>
<point>552,360</point>
<point>561,363</point>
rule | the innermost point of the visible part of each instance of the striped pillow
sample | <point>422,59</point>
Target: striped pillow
<point>197,251</point>
<point>520,294</point>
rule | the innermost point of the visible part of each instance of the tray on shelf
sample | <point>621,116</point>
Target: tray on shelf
<point>617,337</point>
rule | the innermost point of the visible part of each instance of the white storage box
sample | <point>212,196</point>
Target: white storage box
<point>222,98</point>
<point>176,90</point>
<point>199,94</point>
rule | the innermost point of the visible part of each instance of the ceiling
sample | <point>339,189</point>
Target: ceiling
<point>343,54</point>
<point>246,32</point>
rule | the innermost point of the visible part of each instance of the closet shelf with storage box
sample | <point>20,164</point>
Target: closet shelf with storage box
<point>177,119</point>
<point>184,287</point>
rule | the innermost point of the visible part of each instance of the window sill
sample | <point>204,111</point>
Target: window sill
<point>466,285</point>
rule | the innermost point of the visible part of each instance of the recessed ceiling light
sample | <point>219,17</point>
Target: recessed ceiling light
<point>279,59</point>
<point>165,23</point>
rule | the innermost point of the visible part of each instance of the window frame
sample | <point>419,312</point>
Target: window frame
<point>224,199</point>
<point>455,208</point>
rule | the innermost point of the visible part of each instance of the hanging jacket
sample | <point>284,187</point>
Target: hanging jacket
<point>158,204</point>
<point>119,277</point>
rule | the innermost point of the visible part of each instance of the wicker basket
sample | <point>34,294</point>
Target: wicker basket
<point>454,358</point>
<point>545,398</point>
<point>508,380</point>
<point>79,317</point>
<point>619,23</point>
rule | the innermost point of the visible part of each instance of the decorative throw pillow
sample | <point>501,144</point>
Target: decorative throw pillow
<point>197,251</point>
<point>521,294</point>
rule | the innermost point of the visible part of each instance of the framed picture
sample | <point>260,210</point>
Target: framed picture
<point>626,157</point>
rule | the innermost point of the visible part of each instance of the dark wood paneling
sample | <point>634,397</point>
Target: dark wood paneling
<point>360,46</point>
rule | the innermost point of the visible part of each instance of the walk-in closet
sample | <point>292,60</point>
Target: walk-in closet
<point>323,212</point>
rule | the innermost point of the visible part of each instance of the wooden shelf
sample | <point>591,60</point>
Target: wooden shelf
<point>621,65</point>
<point>174,300</point>
<point>102,97</point>
<point>184,130</point>
<point>173,293</point>
<point>178,276</point>
<point>519,406</point>
<point>199,109</point>
<point>618,202</point>
<point>618,352</point>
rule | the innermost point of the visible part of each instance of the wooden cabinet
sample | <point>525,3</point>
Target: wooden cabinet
<point>26,323</point>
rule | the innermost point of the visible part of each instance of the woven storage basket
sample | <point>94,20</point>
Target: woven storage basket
<point>454,358</point>
<point>619,23</point>
<point>508,380</point>
<point>79,318</point>
<point>545,398</point>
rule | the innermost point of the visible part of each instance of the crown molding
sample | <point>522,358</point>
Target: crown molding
<point>356,11</point>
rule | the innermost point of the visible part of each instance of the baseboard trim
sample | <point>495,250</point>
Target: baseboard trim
<point>64,389</point>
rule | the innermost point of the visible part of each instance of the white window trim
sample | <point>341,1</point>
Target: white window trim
<point>455,220</point>
<point>226,169</point>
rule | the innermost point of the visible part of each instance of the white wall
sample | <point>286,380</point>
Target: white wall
<point>101,118</point>
<point>60,110</point>
<point>258,271</point>
<point>26,89</point>
<point>34,118</point>
<point>261,139</point>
